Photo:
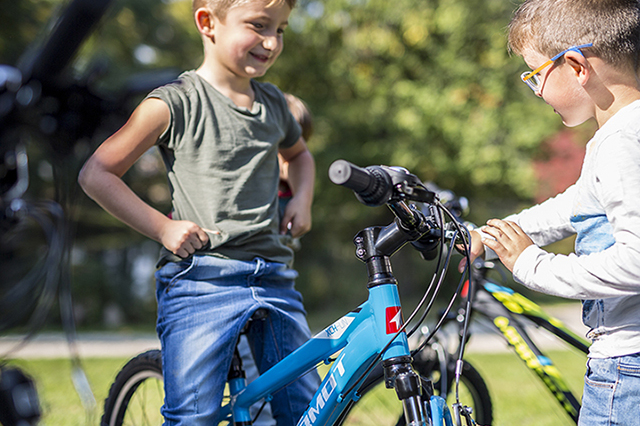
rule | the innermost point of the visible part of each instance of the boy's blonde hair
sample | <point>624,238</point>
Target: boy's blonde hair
<point>221,7</point>
<point>551,26</point>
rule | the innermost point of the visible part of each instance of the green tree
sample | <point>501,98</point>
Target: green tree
<point>424,84</point>
<point>427,85</point>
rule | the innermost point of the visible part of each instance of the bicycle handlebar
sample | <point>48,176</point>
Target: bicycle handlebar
<point>372,185</point>
<point>378,185</point>
<point>70,31</point>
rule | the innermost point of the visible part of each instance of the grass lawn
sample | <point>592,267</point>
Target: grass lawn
<point>518,396</point>
<point>61,404</point>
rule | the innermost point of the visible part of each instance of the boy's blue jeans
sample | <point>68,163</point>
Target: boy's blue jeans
<point>203,303</point>
<point>611,392</point>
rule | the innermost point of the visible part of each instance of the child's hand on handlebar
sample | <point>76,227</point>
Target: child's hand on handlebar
<point>182,237</point>
<point>510,240</point>
<point>476,250</point>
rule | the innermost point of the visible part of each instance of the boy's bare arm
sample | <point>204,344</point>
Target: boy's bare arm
<point>101,179</point>
<point>297,216</point>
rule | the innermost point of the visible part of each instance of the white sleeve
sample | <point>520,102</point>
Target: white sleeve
<point>613,272</point>
<point>544,223</point>
<point>549,221</point>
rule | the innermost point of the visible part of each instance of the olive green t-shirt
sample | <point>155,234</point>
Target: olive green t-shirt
<point>222,165</point>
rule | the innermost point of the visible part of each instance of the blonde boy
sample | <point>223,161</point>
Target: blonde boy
<point>584,56</point>
<point>219,133</point>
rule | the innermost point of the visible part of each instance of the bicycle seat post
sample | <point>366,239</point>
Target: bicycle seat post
<point>237,378</point>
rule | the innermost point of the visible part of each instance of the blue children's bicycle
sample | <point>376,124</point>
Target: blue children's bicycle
<point>371,335</point>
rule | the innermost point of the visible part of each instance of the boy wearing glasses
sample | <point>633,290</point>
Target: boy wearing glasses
<point>584,56</point>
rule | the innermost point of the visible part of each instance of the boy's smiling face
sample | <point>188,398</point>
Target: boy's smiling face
<point>249,40</point>
<point>560,88</point>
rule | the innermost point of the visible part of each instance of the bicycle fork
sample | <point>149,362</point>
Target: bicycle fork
<point>419,409</point>
<point>399,374</point>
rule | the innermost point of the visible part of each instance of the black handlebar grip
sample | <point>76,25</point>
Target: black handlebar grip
<point>372,185</point>
<point>351,176</point>
<point>70,31</point>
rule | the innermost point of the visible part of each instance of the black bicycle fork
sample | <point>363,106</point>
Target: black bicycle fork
<point>400,375</point>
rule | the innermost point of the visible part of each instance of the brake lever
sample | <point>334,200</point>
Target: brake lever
<point>415,192</point>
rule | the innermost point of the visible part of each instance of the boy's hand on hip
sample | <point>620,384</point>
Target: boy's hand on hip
<point>182,237</point>
<point>296,219</point>
<point>510,240</point>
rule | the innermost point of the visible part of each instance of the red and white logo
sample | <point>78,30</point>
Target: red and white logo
<point>394,319</point>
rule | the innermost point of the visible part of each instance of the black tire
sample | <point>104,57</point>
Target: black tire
<point>380,406</point>
<point>137,393</point>
<point>473,390</point>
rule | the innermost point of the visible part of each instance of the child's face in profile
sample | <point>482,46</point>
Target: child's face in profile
<point>249,40</point>
<point>559,88</point>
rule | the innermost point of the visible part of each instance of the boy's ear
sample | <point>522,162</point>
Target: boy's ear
<point>580,66</point>
<point>204,21</point>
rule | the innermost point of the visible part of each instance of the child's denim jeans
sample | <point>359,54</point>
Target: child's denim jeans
<point>203,303</point>
<point>611,392</point>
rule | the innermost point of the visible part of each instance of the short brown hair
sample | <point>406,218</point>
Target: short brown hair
<point>221,7</point>
<point>551,26</point>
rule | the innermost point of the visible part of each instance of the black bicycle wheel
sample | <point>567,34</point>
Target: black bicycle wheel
<point>137,393</point>
<point>380,406</point>
<point>473,392</point>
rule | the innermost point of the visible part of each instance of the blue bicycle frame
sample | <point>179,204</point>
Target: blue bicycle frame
<point>373,331</point>
<point>360,336</point>
<point>368,334</point>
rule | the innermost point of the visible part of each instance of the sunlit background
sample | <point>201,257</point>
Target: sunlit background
<point>424,84</point>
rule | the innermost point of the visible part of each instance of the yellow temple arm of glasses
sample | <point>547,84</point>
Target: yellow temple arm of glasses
<point>537,70</point>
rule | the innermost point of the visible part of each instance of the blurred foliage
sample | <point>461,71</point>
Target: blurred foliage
<point>423,84</point>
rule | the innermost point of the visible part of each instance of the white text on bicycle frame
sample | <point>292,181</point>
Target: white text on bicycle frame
<point>335,330</point>
<point>323,396</point>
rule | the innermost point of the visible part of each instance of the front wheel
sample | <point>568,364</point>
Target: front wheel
<point>137,393</point>
<point>380,406</point>
<point>473,392</point>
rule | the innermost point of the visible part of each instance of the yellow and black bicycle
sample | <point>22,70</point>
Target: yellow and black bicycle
<point>509,313</point>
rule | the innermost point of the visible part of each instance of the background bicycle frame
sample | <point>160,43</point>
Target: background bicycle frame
<point>506,309</point>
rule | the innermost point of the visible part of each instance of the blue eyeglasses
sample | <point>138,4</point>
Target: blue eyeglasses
<point>531,79</point>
